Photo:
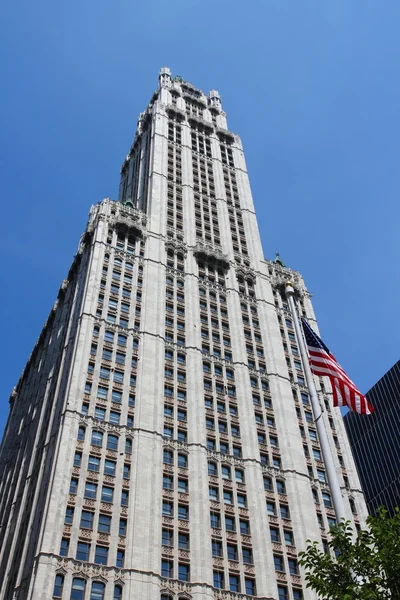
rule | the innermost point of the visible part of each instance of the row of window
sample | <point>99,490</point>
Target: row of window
<point>87,521</point>
<point>79,587</point>
<point>97,439</point>
<point>98,554</point>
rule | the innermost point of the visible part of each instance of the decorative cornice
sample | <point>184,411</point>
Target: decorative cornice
<point>211,254</point>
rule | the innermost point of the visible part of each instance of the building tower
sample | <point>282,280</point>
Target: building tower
<point>160,443</point>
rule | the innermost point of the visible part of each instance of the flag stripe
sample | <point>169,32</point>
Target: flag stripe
<point>323,363</point>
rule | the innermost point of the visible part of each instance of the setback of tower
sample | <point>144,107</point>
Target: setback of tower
<point>160,442</point>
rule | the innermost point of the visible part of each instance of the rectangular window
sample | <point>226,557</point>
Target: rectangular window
<point>218,579</point>
<point>82,551</point>
<point>104,523</point>
<point>107,494</point>
<point>167,569</point>
<point>64,547</point>
<point>120,559</point>
<point>122,526</point>
<point>109,467</point>
<point>101,555</point>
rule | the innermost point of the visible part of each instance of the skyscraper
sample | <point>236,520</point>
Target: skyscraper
<point>160,442</point>
<point>375,443</point>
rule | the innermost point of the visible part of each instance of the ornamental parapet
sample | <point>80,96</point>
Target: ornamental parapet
<point>200,121</point>
<point>211,254</point>
<point>171,109</point>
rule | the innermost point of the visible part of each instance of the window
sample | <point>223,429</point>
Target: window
<point>268,484</point>
<point>215,520</point>
<point>58,586</point>
<point>167,509</point>
<point>278,562</point>
<point>244,526</point>
<point>280,487</point>
<point>167,482</point>
<point>120,559</point>
<point>288,535</point>
<point>182,461</point>
<point>166,568</point>
<point>97,438</point>
<point>112,442</point>
<point>117,592</point>
<point>94,463</point>
<point>128,446</point>
<point>230,523</point>
<point>216,547</point>
<point>271,508</point>
<point>90,490</point>
<point>297,594</point>
<point>326,497</point>
<point>97,592</point>
<point>274,533</point>
<point>107,494</point>
<point>247,555</point>
<point>81,434</point>
<point>242,500</point>
<point>183,541</point>
<point>104,523</point>
<point>183,512</point>
<point>78,589</point>
<point>124,498</point>
<point>167,537</point>
<point>73,486</point>
<point>69,515</point>
<point>122,526</point>
<point>228,497</point>
<point>100,413</point>
<point>231,551</point>
<point>64,547</point>
<point>317,454</point>
<point>234,583</point>
<point>218,579</point>
<point>87,519</point>
<point>293,568</point>
<point>213,493</point>
<point>239,475</point>
<point>226,472</point>
<point>321,476</point>
<point>183,485</point>
<point>284,510</point>
<point>250,586</point>
<point>101,555</point>
<point>82,551</point>
<point>282,593</point>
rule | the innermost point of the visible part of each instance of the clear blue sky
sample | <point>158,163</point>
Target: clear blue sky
<point>313,89</point>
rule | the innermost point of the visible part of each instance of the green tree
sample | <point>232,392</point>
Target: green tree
<point>365,568</point>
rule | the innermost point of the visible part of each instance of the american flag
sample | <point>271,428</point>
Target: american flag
<point>323,363</point>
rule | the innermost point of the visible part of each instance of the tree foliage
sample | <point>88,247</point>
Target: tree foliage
<point>365,568</point>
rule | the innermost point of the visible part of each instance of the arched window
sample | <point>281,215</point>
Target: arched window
<point>58,586</point>
<point>78,589</point>
<point>212,468</point>
<point>97,592</point>
<point>112,442</point>
<point>117,592</point>
<point>97,438</point>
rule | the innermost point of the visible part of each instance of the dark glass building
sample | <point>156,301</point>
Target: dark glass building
<point>375,442</point>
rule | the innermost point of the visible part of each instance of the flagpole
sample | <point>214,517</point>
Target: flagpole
<point>334,485</point>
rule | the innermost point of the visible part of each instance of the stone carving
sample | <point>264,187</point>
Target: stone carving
<point>211,254</point>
